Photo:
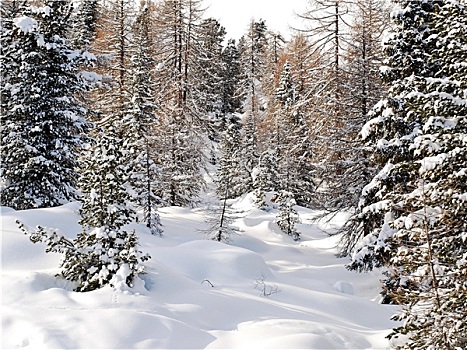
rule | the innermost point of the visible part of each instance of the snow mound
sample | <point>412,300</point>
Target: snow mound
<point>217,262</point>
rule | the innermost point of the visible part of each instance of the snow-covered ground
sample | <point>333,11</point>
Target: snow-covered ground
<point>314,302</point>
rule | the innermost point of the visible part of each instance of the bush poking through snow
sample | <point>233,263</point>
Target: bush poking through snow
<point>266,290</point>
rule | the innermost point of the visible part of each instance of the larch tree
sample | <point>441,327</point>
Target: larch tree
<point>141,121</point>
<point>361,90</point>
<point>183,121</point>
<point>43,122</point>
<point>326,23</point>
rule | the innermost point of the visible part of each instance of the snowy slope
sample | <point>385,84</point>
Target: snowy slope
<point>314,302</point>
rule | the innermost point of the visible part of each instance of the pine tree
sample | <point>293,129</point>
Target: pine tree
<point>43,122</point>
<point>390,133</point>
<point>85,23</point>
<point>266,178</point>
<point>291,138</point>
<point>209,73</point>
<point>287,217</point>
<point>412,214</point>
<point>105,253</point>
<point>231,75</point>
<point>430,220</point>
<point>230,172</point>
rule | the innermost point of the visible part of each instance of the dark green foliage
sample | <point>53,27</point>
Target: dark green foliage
<point>42,121</point>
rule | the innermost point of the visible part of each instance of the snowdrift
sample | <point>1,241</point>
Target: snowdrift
<point>261,291</point>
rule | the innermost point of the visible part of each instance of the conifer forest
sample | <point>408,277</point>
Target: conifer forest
<point>133,110</point>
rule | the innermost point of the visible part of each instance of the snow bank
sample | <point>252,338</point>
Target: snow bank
<point>196,293</point>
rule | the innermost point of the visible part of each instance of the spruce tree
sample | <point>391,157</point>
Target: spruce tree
<point>287,217</point>
<point>105,253</point>
<point>429,227</point>
<point>390,133</point>
<point>266,178</point>
<point>43,122</point>
<point>230,172</point>
<point>412,214</point>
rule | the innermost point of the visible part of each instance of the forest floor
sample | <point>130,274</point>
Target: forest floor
<point>262,290</point>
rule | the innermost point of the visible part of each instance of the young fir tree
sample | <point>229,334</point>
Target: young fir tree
<point>266,178</point>
<point>43,122</point>
<point>230,172</point>
<point>292,140</point>
<point>105,253</point>
<point>287,217</point>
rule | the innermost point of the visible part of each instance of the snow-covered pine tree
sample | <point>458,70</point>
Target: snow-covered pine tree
<point>266,177</point>
<point>252,49</point>
<point>231,74</point>
<point>43,122</point>
<point>85,23</point>
<point>105,253</point>
<point>292,140</point>
<point>140,122</point>
<point>395,122</point>
<point>430,218</point>
<point>209,74</point>
<point>230,172</point>
<point>412,214</point>
<point>287,217</point>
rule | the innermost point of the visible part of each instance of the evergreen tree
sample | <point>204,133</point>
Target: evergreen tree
<point>266,177</point>
<point>287,217</point>
<point>104,252</point>
<point>429,225</point>
<point>412,214</point>
<point>231,74</point>
<point>230,173</point>
<point>85,23</point>
<point>43,121</point>
<point>392,129</point>
<point>209,72</point>
<point>291,137</point>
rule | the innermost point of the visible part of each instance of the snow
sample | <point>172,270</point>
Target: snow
<point>25,24</point>
<point>196,293</point>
